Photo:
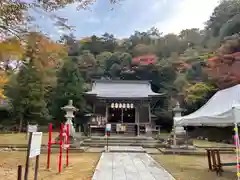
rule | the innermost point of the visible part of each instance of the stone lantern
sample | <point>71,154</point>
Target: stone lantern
<point>70,109</point>
<point>178,131</point>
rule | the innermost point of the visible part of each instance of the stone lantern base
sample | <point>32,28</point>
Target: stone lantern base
<point>72,140</point>
<point>182,141</point>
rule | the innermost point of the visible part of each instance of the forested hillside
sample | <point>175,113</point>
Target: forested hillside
<point>189,66</point>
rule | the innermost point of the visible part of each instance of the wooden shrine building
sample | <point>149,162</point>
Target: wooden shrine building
<point>122,103</point>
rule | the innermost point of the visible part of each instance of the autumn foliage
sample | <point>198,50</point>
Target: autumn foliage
<point>50,53</point>
<point>3,81</point>
<point>224,67</point>
<point>10,49</point>
<point>145,60</point>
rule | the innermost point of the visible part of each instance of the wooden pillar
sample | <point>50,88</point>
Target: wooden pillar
<point>106,115</point>
<point>209,159</point>
<point>122,115</point>
<point>149,114</point>
<point>90,130</point>
<point>138,128</point>
<point>94,108</point>
<point>135,114</point>
<point>135,118</point>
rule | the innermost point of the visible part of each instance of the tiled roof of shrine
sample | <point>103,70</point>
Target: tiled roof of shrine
<point>122,89</point>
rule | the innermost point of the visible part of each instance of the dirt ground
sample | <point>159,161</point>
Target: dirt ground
<point>195,167</point>
<point>21,138</point>
<point>81,167</point>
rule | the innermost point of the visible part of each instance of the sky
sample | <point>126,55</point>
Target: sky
<point>122,19</point>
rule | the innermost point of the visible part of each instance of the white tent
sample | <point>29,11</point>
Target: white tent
<point>223,109</point>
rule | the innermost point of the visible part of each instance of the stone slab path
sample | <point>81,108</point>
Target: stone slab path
<point>129,166</point>
<point>125,149</point>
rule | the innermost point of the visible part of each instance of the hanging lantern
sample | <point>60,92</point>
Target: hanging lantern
<point>128,105</point>
<point>124,105</point>
<point>131,106</point>
<point>120,105</point>
<point>112,105</point>
<point>116,105</point>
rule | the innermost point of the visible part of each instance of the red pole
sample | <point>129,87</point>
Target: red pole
<point>49,144</point>
<point>68,139</point>
<point>60,149</point>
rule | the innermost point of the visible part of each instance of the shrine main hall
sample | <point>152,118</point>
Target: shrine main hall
<point>124,104</point>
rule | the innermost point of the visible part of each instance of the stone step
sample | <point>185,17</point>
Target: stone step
<point>122,144</point>
<point>129,149</point>
<point>119,137</point>
<point>103,145</point>
<point>121,141</point>
<point>115,142</point>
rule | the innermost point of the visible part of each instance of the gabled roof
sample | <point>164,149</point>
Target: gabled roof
<point>122,89</point>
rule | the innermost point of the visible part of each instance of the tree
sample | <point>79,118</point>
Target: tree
<point>11,50</point>
<point>28,97</point>
<point>72,44</point>
<point>86,59</point>
<point>231,27</point>
<point>50,54</point>
<point>198,92</point>
<point>103,57</point>
<point>142,49</point>
<point>87,64</point>
<point>14,20</point>
<point>3,82</point>
<point>93,44</point>
<point>70,86</point>
<point>192,36</point>
<point>109,42</point>
<point>225,16</point>
<point>180,82</point>
<point>223,69</point>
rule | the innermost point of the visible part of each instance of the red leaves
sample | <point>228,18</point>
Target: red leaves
<point>145,60</point>
<point>225,70</point>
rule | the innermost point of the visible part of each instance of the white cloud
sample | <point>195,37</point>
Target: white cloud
<point>92,19</point>
<point>169,16</point>
<point>158,4</point>
<point>188,14</point>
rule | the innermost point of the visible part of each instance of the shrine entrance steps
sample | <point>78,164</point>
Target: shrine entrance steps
<point>101,141</point>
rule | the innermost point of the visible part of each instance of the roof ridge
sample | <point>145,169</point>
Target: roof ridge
<point>122,81</point>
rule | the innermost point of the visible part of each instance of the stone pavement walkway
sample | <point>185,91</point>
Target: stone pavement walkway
<point>129,166</point>
<point>133,149</point>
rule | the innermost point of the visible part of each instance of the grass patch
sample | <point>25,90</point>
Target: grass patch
<point>204,143</point>
<point>81,167</point>
<point>21,138</point>
<point>194,167</point>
